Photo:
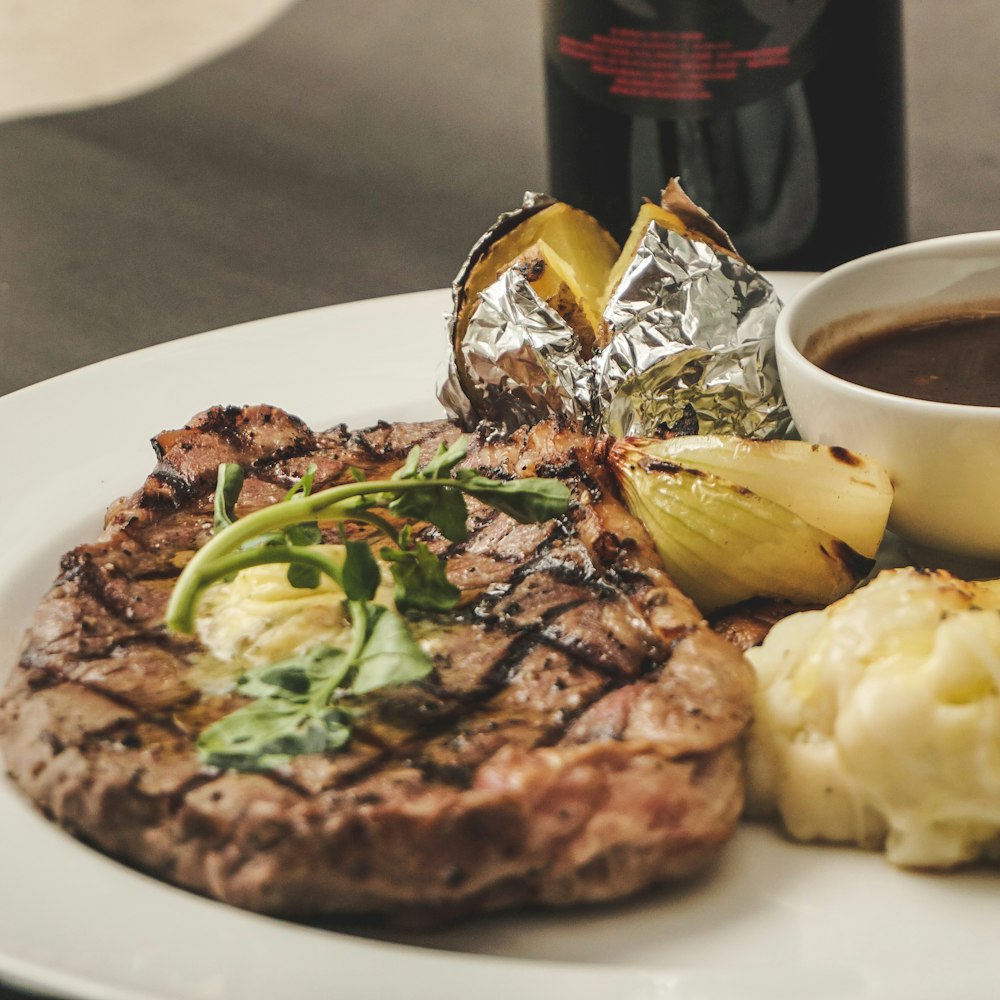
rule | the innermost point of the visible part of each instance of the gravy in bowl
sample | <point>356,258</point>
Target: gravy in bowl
<point>944,359</point>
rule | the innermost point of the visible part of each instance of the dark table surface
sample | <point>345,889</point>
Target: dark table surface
<point>351,150</point>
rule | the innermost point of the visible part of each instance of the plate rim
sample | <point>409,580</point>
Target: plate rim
<point>428,972</point>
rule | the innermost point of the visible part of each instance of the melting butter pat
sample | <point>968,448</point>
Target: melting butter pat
<point>877,720</point>
<point>259,617</point>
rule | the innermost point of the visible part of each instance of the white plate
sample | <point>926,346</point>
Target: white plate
<point>773,921</point>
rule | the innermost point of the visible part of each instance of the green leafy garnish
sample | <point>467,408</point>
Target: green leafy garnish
<point>306,704</point>
<point>302,705</point>
<point>421,582</point>
<point>390,655</point>
<point>361,575</point>
<point>227,489</point>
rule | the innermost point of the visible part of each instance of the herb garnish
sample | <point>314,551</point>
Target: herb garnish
<point>303,705</point>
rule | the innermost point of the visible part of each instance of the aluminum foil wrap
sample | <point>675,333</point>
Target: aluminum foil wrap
<point>692,345</point>
<point>499,392</point>
<point>523,360</point>
<point>691,348</point>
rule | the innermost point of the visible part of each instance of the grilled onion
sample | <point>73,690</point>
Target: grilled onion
<point>734,519</point>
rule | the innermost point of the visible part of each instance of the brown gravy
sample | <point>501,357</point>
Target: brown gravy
<point>947,360</point>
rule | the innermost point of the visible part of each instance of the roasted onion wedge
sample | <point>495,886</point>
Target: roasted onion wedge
<point>735,519</point>
<point>833,489</point>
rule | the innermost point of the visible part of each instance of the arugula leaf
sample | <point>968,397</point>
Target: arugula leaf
<point>270,731</point>
<point>228,485</point>
<point>296,710</point>
<point>445,459</point>
<point>293,713</point>
<point>304,486</point>
<point>422,582</point>
<point>444,508</point>
<point>411,467</point>
<point>525,500</point>
<point>303,577</point>
<point>390,656</point>
<point>361,573</point>
<point>306,533</point>
<point>294,677</point>
<point>446,511</point>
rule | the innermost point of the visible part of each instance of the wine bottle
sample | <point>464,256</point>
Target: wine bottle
<point>782,118</point>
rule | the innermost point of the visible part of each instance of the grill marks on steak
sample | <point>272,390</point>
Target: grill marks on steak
<point>577,739</point>
<point>189,458</point>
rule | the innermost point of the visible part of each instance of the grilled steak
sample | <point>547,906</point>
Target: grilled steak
<point>576,741</point>
<point>746,625</point>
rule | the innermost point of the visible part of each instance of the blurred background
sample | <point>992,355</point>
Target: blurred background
<point>173,166</point>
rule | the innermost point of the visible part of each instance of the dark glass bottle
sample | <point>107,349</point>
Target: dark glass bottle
<point>782,118</point>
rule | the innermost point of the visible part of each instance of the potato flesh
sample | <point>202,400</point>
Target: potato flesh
<point>582,265</point>
<point>574,264</point>
<point>647,214</point>
<point>556,283</point>
<point>586,247</point>
<point>665,219</point>
<point>578,248</point>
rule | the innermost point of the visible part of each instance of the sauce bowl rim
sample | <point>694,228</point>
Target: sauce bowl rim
<point>790,356</point>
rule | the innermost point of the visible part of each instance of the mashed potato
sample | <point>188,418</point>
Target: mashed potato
<point>878,720</point>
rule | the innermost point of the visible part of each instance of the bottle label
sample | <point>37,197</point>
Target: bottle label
<point>681,58</point>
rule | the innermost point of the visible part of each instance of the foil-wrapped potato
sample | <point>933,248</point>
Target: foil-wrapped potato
<point>525,313</point>
<point>673,331</point>
<point>563,252</point>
